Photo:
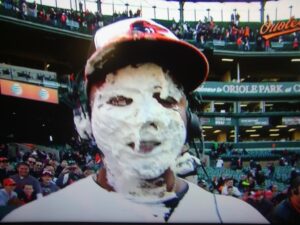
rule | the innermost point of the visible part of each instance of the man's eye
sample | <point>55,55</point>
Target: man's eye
<point>168,102</point>
<point>119,101</point>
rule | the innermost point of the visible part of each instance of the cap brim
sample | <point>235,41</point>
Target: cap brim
<point>187,65</point>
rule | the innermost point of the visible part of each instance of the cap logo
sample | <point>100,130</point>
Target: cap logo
<point>144,27</point>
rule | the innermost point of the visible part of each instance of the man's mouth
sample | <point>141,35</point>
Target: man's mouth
<point>145,146</point>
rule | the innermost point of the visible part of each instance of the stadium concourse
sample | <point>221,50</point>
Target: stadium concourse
<point>248,108</point>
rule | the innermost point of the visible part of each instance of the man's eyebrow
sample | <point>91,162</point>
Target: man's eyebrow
<point>157,86</point>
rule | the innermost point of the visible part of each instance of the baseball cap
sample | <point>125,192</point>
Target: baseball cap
<point>8,182</point>
<point>138,40</point>
<point>47,172</point>
<point>3,159</point>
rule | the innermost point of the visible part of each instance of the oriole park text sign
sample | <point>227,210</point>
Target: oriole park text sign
<point>262,90</point>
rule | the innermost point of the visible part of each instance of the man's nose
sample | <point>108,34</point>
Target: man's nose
<point>151,124</point>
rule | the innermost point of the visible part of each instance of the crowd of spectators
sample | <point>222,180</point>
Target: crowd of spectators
<point>204,31</point>
<point>30,174</point>
<point>207,31</point>
<point>252,185</point>
<point>82,21</point>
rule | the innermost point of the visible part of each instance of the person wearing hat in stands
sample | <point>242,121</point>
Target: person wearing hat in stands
<point>7,193</point>
<point>47,185</point>
<point>5,170</point>
<point>136,83</point>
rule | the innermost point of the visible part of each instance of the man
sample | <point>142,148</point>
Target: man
<point>288,211</point>
<point>23,178</point>
<point>229,183</point>
<point>136,83</point>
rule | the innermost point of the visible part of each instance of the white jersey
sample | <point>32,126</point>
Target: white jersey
<point>86,201</point>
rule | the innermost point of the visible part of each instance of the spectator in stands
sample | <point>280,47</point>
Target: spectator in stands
<point>259,42</point>
<point>80,6</point>
<point>270,170</point>
<point>251,181</point>
<point>235,190</point>
<point>31,162</point>
<point>246,44</point>
<point>295,43</point>
<point>239,43</point>
<point>243,184</point>
<point>138,118</point>
<point>61,167</point>
<point>23,178</point>
<point>215,184</point>
<point>7,193</point>
<point>230,192</point>
<point>37,169</point>
<point>288,211</point>
<point>5,170</point>
<point>252,164</point>
<point>47,185</point>
<point>32,8</point>
<point>260,177</point>
<point>239,163</point>
<point>283,161</point>
<point>267,45</point>
<point>69,175</point>
<point>27,194</point>
<point>260,201</point>
<point>219,163</point>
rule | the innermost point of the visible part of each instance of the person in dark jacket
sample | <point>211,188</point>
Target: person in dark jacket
<point>288,211</point>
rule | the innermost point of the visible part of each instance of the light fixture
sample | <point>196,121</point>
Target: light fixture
<point>254,135</point>
<point>217,131</point>
<point>268,104</point>
<point>227,60</point>
<point>274,135</point>
<point>232,136</point>
<point>281,126</point>
<point>292,129</point>
<point>232,131</point>
<point>219,103</point>
<point>207,127</point>
<point>250,131</point>
<point>255,127</point>
<point>243,105</point>
<point>273,130</point>
<point>295,60</point>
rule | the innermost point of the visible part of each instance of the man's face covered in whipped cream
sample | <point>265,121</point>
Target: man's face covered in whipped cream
<point>137,118</point>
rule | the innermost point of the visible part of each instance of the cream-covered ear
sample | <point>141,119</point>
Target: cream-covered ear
<point>83,124</point>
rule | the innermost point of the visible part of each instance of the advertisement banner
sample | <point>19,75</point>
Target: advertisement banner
<point>217,121</point>
<point>264,121</point>
<point>28,91</point>
<point>291,120</point>
<point>262,90</point>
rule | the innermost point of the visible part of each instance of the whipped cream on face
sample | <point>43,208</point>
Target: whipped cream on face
<point>138,133</point>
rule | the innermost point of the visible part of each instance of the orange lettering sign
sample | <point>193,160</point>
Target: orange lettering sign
<point>269,30</point>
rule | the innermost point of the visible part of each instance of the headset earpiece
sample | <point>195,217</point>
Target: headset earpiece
<point>193,126</point>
